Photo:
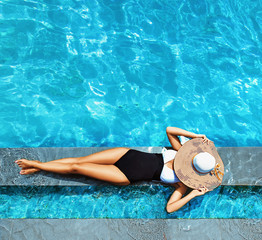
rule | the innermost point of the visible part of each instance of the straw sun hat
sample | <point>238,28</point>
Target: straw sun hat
<point>198,164</point>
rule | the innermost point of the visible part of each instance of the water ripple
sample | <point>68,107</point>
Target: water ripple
<point>128,202</point>
<point>130,68</point>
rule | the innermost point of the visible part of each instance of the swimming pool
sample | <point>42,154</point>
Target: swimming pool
<point>126,202</point>
<point>117,73</point>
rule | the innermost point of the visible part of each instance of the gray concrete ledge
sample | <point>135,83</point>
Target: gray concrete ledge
<point>242,165</point>
<point>129,229</point>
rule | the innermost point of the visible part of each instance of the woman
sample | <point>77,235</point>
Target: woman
<point>123,166</point>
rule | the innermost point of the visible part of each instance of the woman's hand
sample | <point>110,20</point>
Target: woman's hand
<point>200,191</point>
<point>204,138</point>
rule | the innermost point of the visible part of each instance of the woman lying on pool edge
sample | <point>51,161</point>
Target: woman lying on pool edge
<point>196,165</point>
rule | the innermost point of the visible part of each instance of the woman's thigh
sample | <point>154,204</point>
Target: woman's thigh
<point>109,173</point>
<point>106,157</point>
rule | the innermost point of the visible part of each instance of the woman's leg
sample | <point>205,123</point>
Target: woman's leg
<point>106,157</point>
<point>109,156</point>
<point>109,173</point>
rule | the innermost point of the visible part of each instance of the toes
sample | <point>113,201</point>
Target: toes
<point>18,162</point>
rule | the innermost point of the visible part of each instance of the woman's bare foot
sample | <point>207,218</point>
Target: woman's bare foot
<point>25,171</point>
<point>23,163</point>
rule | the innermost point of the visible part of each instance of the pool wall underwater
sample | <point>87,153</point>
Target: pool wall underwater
<point>242,167</point>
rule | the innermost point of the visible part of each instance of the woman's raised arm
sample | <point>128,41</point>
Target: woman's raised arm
<point>173,132</point>
<point>181,132</point>
<point>176,200</point>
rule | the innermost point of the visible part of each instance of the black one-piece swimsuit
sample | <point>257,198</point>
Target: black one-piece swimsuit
<point>139,166</point>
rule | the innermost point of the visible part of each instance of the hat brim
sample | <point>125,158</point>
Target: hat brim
<point>184,168</point>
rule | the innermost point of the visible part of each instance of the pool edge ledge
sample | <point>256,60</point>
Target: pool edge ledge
<point>242,165</point>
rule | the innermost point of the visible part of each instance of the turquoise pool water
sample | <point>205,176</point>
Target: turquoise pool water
<point>126,202</point>
<point>117,73</point>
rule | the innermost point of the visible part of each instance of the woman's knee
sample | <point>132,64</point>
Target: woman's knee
<point>74,168</point>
